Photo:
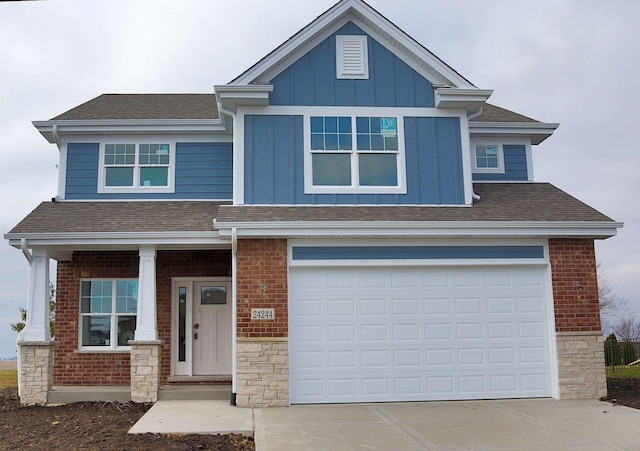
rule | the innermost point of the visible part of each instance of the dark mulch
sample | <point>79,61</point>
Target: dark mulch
<point>94,426</point>
<point>624,391</point>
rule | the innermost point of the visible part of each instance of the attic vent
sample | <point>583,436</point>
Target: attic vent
<point>351,57</point>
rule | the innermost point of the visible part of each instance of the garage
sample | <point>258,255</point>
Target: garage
<point>372,333</point>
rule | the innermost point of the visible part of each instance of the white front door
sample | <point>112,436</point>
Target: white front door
<point>201,327</point>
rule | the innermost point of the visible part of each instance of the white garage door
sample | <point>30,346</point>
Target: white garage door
<point>411,334</point>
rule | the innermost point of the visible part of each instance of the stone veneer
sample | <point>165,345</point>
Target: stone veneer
<point>581,369</point>
<point>36,371</point>
<point>145,370</point>
<point>262,369</point>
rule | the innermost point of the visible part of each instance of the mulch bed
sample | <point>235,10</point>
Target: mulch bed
<point>94,426</point>
<point>624,391</point>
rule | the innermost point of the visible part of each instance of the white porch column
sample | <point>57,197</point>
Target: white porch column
<point>37,325</point>
<point>146,329</point>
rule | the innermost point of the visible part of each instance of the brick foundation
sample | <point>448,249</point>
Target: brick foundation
<point>36,372</point>
<point>262,372</point>
<point>577,316</point>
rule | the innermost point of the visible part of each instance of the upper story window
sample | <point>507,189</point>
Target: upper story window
<point>108,311</point>
<point>355,154</point>
<point>352,58</point>
<point>129,167</point>
<point>488,158</point>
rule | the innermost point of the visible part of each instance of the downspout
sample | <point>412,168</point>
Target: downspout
<point>234,313</point>
<point>27,255</point>
<point>470,116</point>
<point>56,136</point>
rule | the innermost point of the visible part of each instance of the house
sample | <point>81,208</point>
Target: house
<point>348,220</point>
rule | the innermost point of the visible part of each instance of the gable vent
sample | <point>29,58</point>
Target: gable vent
<point>352,57</point>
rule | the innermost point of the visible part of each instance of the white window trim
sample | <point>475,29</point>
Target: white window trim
<point>170,188</point>
<point>474,161</point>
<point>341,71</point>
<point>310,188</point>
<point>113,317</point>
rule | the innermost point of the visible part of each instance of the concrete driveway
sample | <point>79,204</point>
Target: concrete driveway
<point>534,424</point>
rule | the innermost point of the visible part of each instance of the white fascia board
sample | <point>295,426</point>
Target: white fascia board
<point>373,23</point>
<point>115,239</point>
<point>537,131</point>
<point>229,97</point>
<point>470,99</point>
<point>129,126</point>
<point>419,229</point>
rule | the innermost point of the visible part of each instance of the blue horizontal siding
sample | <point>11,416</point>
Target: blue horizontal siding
<point>414,252</point>
<point>515,166</point>
<point>203,171</point>
<point>312,79</point>
<point>274,164</point>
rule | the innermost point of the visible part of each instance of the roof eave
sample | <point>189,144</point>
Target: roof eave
<point>48,129</point>
<point>537,131</point>
<point>291,229</point>
<point>113,238</point>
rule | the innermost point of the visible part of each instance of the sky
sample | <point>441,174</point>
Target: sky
<point>575,62</point>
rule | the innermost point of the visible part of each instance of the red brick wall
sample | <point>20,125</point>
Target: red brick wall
<point>262,262</point>
<point>100,368</point>
<point>573,262</point>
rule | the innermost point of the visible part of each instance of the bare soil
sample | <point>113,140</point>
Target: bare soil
<point>624,391</point>
<point>94,426</point>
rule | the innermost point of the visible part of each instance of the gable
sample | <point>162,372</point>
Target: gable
<point>313,79</point>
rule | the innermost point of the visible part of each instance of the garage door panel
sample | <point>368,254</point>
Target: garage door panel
<point>404,334</point>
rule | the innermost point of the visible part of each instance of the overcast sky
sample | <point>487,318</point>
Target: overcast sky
<point>576,62</point>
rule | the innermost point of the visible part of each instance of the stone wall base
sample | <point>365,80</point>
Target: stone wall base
<point>145,370</point>
<point>36,371</point>
<point>262,372</point>
<point>581,369</point>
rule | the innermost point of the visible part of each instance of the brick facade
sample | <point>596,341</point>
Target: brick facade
<point>575,285</point>
<point>72,367</point>
<point>262,263</point>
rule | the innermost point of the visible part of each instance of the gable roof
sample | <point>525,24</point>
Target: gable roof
<point>144,106</point>
<point>373,23</point>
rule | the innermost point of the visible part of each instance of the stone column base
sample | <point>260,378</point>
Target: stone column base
<point>581,369</point>
<point>145,370</point>
<point>36,371</point>
<point>262,372</point>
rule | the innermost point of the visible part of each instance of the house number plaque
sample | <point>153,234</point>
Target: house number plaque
<point>262,314</point>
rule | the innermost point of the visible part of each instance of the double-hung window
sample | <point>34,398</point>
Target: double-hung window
<point>129,167</point>
<point>108,310</point>
<point>355,154</point>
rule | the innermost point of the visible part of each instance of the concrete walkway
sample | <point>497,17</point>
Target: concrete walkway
<point>533,424</point>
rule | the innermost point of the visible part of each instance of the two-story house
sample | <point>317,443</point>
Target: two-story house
<point>348,220</point>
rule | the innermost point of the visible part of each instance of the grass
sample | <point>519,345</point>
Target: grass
<point>624,371</point>
<point>8,378</point>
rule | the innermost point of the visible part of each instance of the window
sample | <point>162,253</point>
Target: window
<point>107,313</point>
<point>488,158</point>
<point>136,167</point>
<point>352,57</point>
<point>355,154</point>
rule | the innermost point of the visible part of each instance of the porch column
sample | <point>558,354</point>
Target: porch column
<point>146,329</point>
<point>37,324</point>
<point>35,348</point>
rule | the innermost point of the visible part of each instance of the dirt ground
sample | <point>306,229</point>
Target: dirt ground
<point>104,426</point>
<point>94,426</point>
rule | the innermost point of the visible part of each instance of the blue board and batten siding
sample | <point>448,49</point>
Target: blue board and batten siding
<point>274,164</point>
<point>414,252</point>
<point>515,166</point>
<point>312,80</point>
<point>204,171</point>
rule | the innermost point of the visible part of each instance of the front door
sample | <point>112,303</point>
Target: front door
<point>202,327</point>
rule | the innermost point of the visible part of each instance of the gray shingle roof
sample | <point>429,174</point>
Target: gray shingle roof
<point>145,106</point>
<point>79,217</point>
<point>507,202</point>
<point>492,113</point>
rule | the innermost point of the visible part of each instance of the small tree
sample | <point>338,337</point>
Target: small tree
<point>52,313</point>
<point>611,350</point>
